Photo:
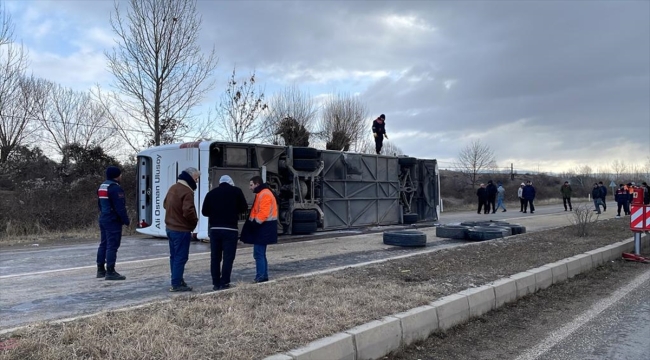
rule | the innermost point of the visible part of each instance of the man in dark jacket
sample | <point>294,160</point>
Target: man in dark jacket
<point>222,206</point>
<point>481,193</point>
<point>597,196</point>
<point>646,193</point>
<point>112,215</point>
<point>379,132</point>
<point>622,196</point>
<point>566,195</point>
<point>261,228</point>
<point>180,220</point>
<point>529,195</point>
<point>603,192</point>
<point>491,196</point>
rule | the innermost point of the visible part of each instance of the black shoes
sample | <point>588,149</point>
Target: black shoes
<point>111,274</point>
<point>221,287</point>
<point>504,210</point>
<point>101,271</point>
<point>180,288</point>
<point>260,280</point>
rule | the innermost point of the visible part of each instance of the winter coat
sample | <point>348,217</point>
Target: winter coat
<point>566,191</point>
<point>261,228</point>
<point>482,194</point>
<point>603,192</point>
<point>529,192</point>
<point>180,212</point>
<point>379,129</point>
<point>646,195</point>
<point>112,205</point>
<point>222,206</point>
<point>596,193</point>
<point>520,192</point>
<point>621,196</point>
<point>501,193</point>
<point>491,191</point>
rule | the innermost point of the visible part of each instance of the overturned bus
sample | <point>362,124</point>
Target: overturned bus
<point>316,189</point>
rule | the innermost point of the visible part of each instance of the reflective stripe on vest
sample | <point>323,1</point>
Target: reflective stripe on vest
<point>256,211</point>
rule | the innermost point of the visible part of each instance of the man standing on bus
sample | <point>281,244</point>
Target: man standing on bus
<point>112,215</point>
<point>261,229</point>
<point>379,132</point>
<point>222,206</point>
<point>180,220</point>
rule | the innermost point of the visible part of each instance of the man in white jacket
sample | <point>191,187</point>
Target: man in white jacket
<point>520,195</point>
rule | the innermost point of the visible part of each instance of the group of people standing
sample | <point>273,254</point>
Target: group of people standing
<point>223,206</point>
<point>492,197</point>
<point>623,197</point>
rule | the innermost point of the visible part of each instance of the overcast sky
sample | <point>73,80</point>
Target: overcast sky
<point>548,85</point>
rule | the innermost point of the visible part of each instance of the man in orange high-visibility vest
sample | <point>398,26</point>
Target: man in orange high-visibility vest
<point>261,228</point>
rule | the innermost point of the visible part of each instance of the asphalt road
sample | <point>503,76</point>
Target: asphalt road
<point>51,282</point>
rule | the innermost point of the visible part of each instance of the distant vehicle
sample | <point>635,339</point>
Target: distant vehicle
<point>316,189</point>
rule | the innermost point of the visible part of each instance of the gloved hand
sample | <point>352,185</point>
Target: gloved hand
<point>374,134</point>
<point>386,136</point>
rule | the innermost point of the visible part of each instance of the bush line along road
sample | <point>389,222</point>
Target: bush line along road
<point>54,291</point>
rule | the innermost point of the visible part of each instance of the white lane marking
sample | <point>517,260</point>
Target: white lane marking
<point>564,332</point>
<point>192,256</point>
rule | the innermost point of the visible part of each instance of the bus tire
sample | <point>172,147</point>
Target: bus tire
<point>407,238</point>
<point>305,164</point>
<point>486,233</point>
<point>452,232</point>
<point>304,216</point>
<point>410,218</point>
<point>304,228</point>
<point>305,153</point>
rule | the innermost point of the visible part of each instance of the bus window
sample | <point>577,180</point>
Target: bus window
<point>143,191</point>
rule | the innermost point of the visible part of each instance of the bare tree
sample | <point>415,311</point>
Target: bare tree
<point>584,176</point>
<point>619,168</point>
<point>17,92</point>
<point>73,117</point>
<point>6,25</point>
<point>289,118</point>
<point>343,123</point>
<point>474,159</point>
<point>239,109</point>
<point>158,65</point>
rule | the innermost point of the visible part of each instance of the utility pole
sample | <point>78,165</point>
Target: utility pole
<point>512,171</point>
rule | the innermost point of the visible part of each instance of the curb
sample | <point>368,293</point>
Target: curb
<point>378,338</point>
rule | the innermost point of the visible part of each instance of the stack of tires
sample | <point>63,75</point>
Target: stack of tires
<point>479,230</point>
<point>305,159</point>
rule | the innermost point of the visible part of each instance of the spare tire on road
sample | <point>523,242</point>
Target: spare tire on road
<point>452,232</point>
<point>516,229</point>
<point>409,238</point>
<point>481,233</point>
<point>471,223</point>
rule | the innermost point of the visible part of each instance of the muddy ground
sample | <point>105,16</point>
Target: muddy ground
<point>253,321</point>
<point>508,331</point>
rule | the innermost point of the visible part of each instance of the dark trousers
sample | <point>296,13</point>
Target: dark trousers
<point>110,240</point>
<point>604,204</point>
<point>566,200</point>
<point>482,203</point>
<point>223,246</point>
<point>529,203</point>
<point>625,206</point>
<point>491,203</point>
<point>179,251</point>
<point>522,204</point>
<point>379,142</point>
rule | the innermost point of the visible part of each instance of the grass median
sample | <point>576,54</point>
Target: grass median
<point>253,321</point>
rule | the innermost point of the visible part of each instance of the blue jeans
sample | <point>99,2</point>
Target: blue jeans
<point>597,203</point>
<point>261,265</point>
<point>111,238</point>
<point>223,245</point>
<point>500,204</point>
<point>179,251</point>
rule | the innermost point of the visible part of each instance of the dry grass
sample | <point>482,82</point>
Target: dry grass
<point>253,321</point>
<point>90,233</point>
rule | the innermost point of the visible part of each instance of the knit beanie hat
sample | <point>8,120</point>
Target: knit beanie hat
<point>112,172</point>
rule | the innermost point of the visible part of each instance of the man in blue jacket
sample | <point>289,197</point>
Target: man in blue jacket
<point>112,216</point>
